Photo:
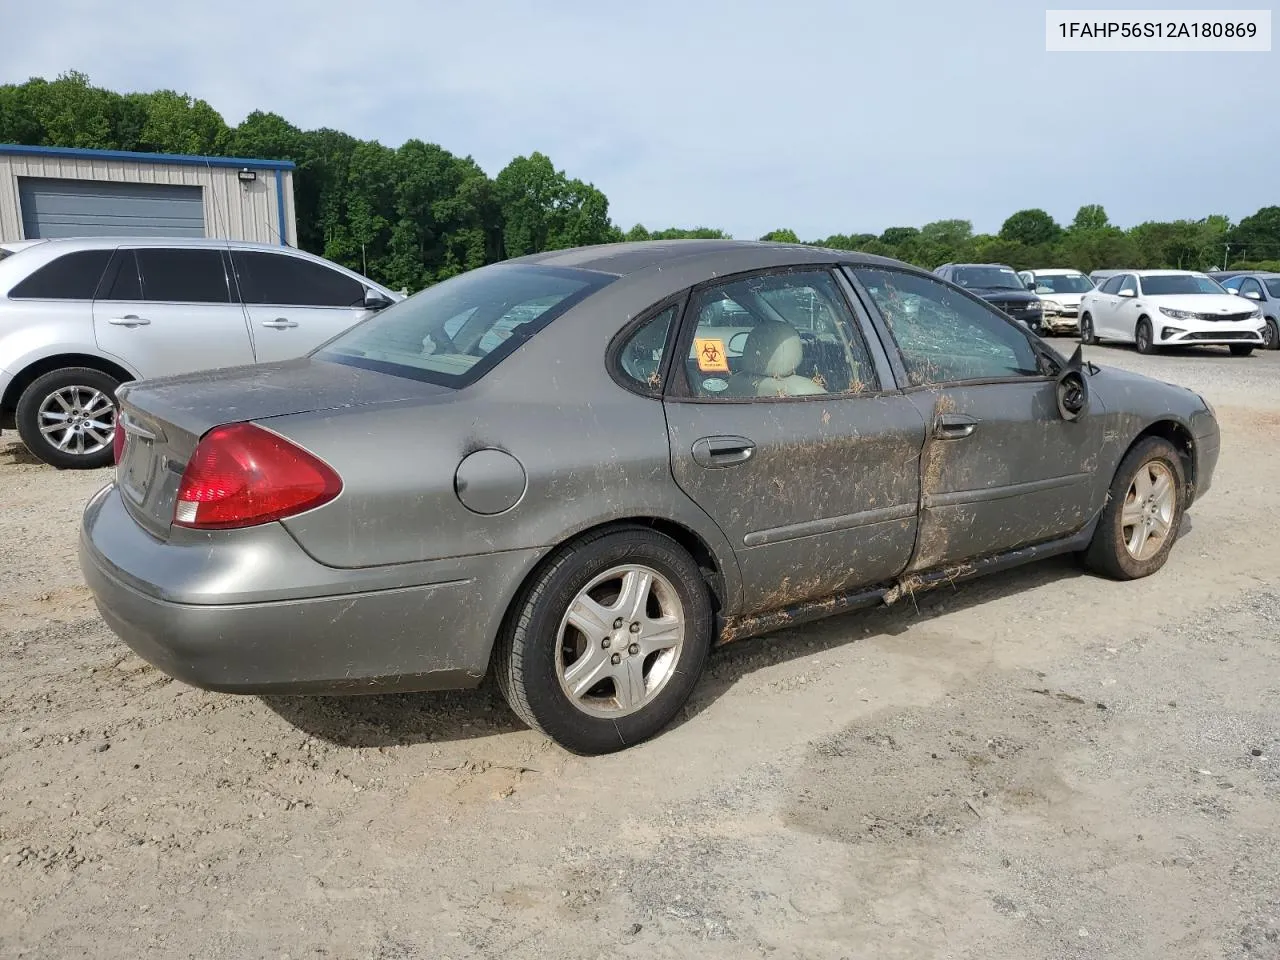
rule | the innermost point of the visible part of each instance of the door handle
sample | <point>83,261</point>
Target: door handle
<point>954,426</point>
<point>279,323</point>
<point>722,451</point>
<point>131,320</point>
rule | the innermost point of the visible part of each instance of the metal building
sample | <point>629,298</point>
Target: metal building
<point>65,192</point>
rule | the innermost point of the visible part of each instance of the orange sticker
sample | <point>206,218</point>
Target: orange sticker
<point>711,355</point>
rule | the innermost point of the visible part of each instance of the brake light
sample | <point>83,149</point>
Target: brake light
<point>242,475</point>
<point>118,439</point>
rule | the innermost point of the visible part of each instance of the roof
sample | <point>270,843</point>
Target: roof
<point>1054,271</point>
<point>625,259</point>
<point>17,149</point>
<point>88,243</point>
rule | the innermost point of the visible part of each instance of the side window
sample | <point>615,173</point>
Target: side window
<point>283,280</point>
<point>1112,284</point>
<point>177,275</point>
<point>777,335</point>
<point>640,357</point>
<point>943,335</point>
<point>73,276</point>
<point>1234,283</point>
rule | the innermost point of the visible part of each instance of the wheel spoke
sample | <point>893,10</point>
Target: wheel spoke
<point>628,683</point>
<point>1138,538</point>
<point>1142,482</point>
<point>61,442</point>
<point>635,594</point>
<point>656,635</point>
<point>1162,489</point>
<point>1131,513</point>
<point>96,402</point>
<point>588,670</point>
<point>591,618</point>
<point>99,434</point>
<point>1160,526</point>
<point>62,401</point>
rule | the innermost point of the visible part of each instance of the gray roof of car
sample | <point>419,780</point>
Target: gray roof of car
<point>625,259</point>
<point>89,243</point>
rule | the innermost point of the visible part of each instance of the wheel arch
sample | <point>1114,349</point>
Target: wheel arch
<point>58,361</point>
<point>1178,434</point>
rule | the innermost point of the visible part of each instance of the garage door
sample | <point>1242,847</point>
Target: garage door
<point>96,208</point>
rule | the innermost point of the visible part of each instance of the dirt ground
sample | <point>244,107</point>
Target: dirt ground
<point>1036,765</point>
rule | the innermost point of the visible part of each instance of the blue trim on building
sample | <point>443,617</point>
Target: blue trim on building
<point>284,229</point>
<point>179,158</point>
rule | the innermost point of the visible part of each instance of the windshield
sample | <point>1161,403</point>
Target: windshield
<point>1171,284</point>
<point>1273,286</point>
<point>989,278</point>
<point>456,331</point>
<point>1063,283</point>
<point>6,253</point>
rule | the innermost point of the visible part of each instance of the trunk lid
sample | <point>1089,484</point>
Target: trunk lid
<point>164,419</point>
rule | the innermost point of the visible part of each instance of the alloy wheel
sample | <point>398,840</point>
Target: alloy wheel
<point>77,420</point>
<point>620,640</point>
<point>1146,519</point>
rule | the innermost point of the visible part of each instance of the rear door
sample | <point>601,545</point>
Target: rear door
<point>294,304</point>
<point>1001,469</point>
<point>167,310</point>
<point>794,440</point>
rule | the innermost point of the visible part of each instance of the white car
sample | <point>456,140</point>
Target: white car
<point>1169,308</point>
<point>78,317</point>
<point>10,247</point>
<point>1059,292</point>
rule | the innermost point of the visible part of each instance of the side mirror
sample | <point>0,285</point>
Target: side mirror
<point>1128,292</point>
<point>1073,388</point>
<point>373,300</point>
<point>1253,295</point>
<point>1031,285</point>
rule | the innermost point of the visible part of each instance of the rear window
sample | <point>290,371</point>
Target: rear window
<point>73,276</point>
<point>455,332</point>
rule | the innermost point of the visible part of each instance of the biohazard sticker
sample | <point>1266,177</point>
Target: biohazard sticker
<point>711,355</point>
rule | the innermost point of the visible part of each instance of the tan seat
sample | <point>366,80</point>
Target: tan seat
<point>770,357</point>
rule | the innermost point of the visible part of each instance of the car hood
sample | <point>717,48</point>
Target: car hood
<point>197,402</point>
<point>1066,299</point>
<point>1211,303</point>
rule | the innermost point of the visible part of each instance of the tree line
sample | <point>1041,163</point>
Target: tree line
<point>413,215</point>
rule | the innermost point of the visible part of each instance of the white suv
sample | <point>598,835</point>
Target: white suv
<point>80,317</point>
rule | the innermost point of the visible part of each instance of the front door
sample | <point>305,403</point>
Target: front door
<point>786,439</point>
<point>1001,469</point>
<point>295,304</point>
<point>168,310</point>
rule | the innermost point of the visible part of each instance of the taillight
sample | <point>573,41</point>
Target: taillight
<point>117,442</point>
<point>242,475</point>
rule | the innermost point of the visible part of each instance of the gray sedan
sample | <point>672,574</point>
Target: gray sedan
<point>580,470</point>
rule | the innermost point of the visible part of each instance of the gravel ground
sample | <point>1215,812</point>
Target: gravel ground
<point>1036,765</point>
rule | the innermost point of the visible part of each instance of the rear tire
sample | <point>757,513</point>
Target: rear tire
<point>1087,336</point>
<point>1139,510</point>
<point>636,671</point>
<point>1143,338</point>
<point>81,397</point>
<point>1241,349</point>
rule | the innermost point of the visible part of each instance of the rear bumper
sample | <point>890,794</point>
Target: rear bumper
<point>363,632</point>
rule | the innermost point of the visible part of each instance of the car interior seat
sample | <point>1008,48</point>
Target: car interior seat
<point>770,357</point>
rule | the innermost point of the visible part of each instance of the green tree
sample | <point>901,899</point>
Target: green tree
<point>1257,236</point>
<point>781,235</point>
<point>1031,228</point>
<point>177,123</point>
<point>1090,217</point>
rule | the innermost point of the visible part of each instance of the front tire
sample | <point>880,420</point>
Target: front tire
<point>1271,335</point>
<point>1143,339</point>
<point>606,644</point>
<point>1144,509</point>
<point>1087,336</point>
<point>67,418</point>
<point>1241,349</point>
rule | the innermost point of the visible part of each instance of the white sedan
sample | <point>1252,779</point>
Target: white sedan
<point>1060,292</point>
<point>1169,308</point>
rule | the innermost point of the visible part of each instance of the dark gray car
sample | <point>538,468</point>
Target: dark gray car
<point>582,469</point>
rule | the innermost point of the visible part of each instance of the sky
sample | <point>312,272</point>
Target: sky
<point>824,117</point>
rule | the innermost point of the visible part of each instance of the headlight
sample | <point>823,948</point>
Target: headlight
<point>1178,314</point>
<point>1257,312</point>
<point>1051,305</point>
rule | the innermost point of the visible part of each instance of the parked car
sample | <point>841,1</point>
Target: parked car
<point>1264,290</point>
<point>1221,275</point>
<point>1169,308</point>
<point>999,286</point>
<point>652,461</point>
<point>80,317</point>
<point>1059,292</point>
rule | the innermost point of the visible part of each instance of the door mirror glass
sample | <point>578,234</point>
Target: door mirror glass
<point>1073,388</point>
<point>373,300</point>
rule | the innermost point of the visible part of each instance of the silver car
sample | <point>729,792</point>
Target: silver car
<point>80,317</point>
<point>579,470</point>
